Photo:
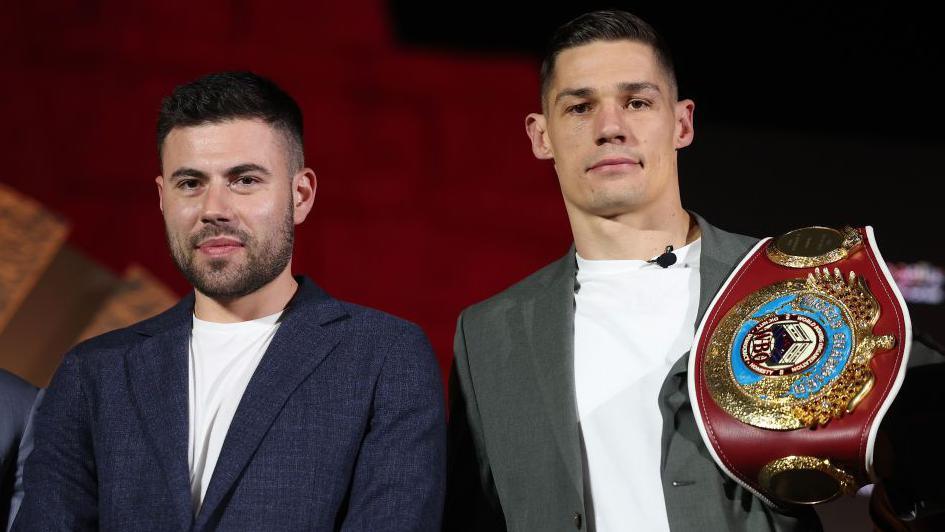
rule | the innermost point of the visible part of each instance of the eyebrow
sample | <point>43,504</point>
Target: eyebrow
<point>626,86</point>
<point>247,168</point>
<point>583,92</point>
<point>639,86</point>
<point>236,170</point>
<point>187,172</point>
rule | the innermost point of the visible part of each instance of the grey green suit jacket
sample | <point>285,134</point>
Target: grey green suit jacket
<point>514,456</point>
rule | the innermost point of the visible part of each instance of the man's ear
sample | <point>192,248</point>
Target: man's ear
<point>304,185</point>
<point>536,127</point>
<point>684,132</point>
<point>159,180</point>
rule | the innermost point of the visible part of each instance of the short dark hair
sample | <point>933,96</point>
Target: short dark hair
<point>223,96</point>
<point>607,25</point>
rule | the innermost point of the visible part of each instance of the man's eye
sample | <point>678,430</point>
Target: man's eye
<point>637,104</point>
<point>579,109</point>
<point>188,184</point>
<point>245,180</point>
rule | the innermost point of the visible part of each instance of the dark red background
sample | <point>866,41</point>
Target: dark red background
<point>429,198</point>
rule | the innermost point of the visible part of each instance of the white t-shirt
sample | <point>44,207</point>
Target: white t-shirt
<point>223,358</point>
<point>632,321</point>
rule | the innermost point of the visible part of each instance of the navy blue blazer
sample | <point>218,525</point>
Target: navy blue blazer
<point>16,403</point>
<point>341,427</point>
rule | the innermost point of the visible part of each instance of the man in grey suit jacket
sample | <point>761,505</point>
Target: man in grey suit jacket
<point>521,456</point>
<point>259,402</point>
<point>16,403</point>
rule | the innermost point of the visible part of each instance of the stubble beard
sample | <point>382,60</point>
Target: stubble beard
<point>224,278</point>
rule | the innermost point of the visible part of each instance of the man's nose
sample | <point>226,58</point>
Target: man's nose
<point>611,126</point>
<point>217,208</point>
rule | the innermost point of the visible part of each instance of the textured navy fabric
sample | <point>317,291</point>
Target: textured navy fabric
<point>16,402</point>
<point>340,428</point>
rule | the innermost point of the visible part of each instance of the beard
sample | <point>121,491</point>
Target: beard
<point>225,277</point>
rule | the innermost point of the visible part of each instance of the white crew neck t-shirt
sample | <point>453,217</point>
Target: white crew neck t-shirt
<point>223,358</point>
<point>632,321</point>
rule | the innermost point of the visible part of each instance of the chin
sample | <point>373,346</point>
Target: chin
<point>614,204</point>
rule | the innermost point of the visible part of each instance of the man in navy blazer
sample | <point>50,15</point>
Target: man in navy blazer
<point>258,402</point>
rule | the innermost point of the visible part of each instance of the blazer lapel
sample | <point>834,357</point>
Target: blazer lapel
<point>311,327</point>
<point>157,375</point>
<point>720,254</point>
<point>551,347</point>
<point>551,343</point>
<point>721,251</point>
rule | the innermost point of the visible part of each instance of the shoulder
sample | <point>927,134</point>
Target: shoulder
<point>313,304</point>
<point>721,250</point>
<point>392,352</point>
<point>16,402</point>
<point>524,290</point>
<point>119,340</point>
<point>373,323</point>
<point>724,240</point>
<point>734,240</point>
<point>128,336</point>
<point>16,395</point>
<point>113,340</point>
<point>13,386</point>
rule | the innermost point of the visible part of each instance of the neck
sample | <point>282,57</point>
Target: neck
<point>635,235</point>
<point>269,299</point>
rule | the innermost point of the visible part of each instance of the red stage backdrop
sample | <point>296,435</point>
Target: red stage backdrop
<point>428,197</point>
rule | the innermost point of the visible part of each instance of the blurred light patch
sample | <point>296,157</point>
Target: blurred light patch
<point>919,282</point>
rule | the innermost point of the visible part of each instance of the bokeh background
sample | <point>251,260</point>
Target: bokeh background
<point>429,199</point>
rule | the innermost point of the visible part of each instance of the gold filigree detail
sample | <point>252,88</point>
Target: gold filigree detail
<point>845,242</point>
<point>805,480</point>
<point>856,381</point>
<point>852,291</point>
<point>845,393</point>
<point>768,403</point>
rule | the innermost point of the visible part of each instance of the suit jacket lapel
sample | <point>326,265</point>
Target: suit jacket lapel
<point>721,251</point>
<point>551,342</point>
<point>718,257</point>
<point>310,328</point>
<point>551,346</point>
<point>157,375</point>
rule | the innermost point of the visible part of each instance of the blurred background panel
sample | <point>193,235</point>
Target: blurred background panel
<point>429,198</point>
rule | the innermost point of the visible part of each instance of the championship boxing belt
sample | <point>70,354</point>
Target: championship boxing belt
<point>796,362</point>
